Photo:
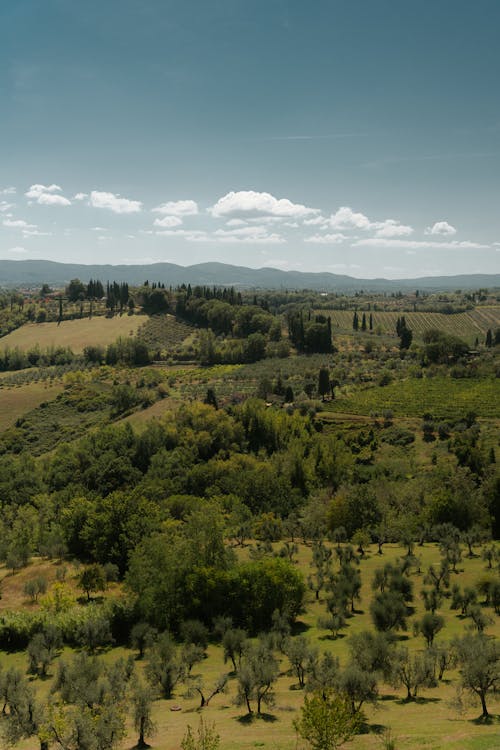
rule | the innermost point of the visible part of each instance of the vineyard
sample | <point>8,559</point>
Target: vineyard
<point>441,397</point>
<point>465,325</point>
<point>164,333</point>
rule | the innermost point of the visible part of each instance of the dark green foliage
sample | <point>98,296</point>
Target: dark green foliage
<point>92,579</point>
<point>388,611</point>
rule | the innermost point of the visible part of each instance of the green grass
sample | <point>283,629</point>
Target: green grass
<point>430,723</point>
<point>75,334</point>
<point>15,402</point>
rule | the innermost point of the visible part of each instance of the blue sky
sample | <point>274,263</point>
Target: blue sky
<point>353,136</point>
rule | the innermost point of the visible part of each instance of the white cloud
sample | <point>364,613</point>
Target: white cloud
<point>18,250</point>
<point>326,239</point>
<point>191,235</point>
<point>37,190</point>
<point>441,227</point>
<point>235,223</point>
<point>45,195</point>
<point>168,222</point>
<point>35,233</point>
<point>99,229</point>
<point>248,235</point>
<point>4,206</point>
<point>252,203</point>
<point>114,203</point>
<point>8,191</point>
<point>18,224</point>
<point>419,244</point>
<point>49,199</point>
<point>252,234</point>
<point>177,208</point>
<point>80,196</point>
<point>346,218</point>
<point>316,221</point>
<point>392,228</point>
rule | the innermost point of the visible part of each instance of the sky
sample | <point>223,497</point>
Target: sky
<point>350,136</point>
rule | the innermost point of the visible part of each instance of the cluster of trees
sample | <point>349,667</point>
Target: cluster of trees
<point>310,334</point>
<point>116,294</point>
<point>357,325</point>
<point>17,359</point>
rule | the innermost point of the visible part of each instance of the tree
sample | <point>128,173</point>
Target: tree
<point>439,578</point>
<point>300,654</point>
<point>142,706</point>
<point>358,685</point>
<point>326,720</point>
<point>429,626</point>
<point>388,611</point>
<point>94,632</point>
<point>34,587</point>
<point>164,668</point>
<point>142,637</point>
<point>42,650</point>
<point>355,321</point>
<point>25,717</point>
<point>234,641</point>
<point>412,671</point>
<point>256,677</point>
<point>197,685</point>
<point>372,652</point>
<point>75,290</point>
<point>323,382</point>
<point>489,339</point>
<point>322,672</point>
<point>206,739</point>
<point>92,579</point>
<point>479,660</point>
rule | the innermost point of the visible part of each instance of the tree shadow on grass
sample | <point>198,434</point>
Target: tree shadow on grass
<point>367,728</point>
<point>247,719</point>
<point>485,721</point>
<point>418,701</point>
<point>300,627</point>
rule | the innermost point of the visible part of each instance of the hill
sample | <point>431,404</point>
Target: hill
<point>36,272</point>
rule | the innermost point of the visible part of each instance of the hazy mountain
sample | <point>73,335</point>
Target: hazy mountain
<point>36,272</point>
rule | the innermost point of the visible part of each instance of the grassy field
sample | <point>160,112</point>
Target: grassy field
<point>467,325</point>
<point>75,334</point>
<point>431,722</point>
<point>15,402</point>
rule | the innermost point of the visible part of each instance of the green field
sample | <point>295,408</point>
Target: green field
<point>74,334</point>
<point>443,398</point>
<point>14,402</point>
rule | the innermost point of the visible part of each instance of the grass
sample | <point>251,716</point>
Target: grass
<point>74,334</point>
<point>429,723</point>
<point>16,402</point>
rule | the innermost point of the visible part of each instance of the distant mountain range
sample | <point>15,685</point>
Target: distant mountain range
<point>30,273</point>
